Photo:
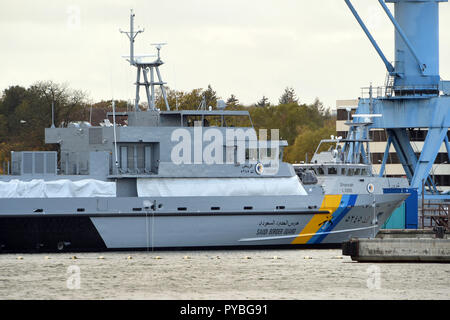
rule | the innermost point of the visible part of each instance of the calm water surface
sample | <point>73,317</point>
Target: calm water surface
<point>246,274</point>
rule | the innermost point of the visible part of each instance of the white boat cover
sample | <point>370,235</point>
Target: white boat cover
<point>195,187</point>
<point>39,188</point>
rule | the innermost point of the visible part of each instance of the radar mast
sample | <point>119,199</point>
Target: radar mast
<point>146,67</point>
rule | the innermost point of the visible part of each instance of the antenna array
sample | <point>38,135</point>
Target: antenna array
<point>146,68</point>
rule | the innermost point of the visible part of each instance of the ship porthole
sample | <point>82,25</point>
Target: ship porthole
<point>259,168</point>
<point>60,246</point>
<point>370,188</point>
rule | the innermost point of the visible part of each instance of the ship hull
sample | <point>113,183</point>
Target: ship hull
<point>324,222</point>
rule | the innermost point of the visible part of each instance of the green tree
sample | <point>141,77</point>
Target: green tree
<point>3,127</point>
<point>288,96</point>
<point>11,99</point>
<point>264,102</point>
<point>232,101</point>
<point>210,97</point>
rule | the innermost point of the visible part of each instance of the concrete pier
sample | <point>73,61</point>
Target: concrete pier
<point>408,233</point>
<point>398,250</point>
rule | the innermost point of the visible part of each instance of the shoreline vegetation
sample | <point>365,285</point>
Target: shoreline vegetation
<point>25,112</point>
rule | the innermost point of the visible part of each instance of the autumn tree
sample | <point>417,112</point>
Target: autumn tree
<point>307,141</point>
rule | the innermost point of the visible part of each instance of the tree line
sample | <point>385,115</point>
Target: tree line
<point>25,112</point>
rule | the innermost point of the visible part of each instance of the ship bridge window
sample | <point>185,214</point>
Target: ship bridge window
<point>212,121</point>
<point>251,154</point>
<point>138,158</point>
<point>191,120</point>
<point>320,171</point>
<point>350,172</point>
<point>34,162</point>
<point>332,170</point>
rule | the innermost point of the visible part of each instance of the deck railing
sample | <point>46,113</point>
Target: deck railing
<point>399,91</point>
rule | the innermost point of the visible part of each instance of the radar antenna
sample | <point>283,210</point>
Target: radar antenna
<point>158,47</point>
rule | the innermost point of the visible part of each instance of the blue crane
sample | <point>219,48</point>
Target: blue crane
<point>414,95</point>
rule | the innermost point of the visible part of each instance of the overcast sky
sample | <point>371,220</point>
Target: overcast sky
<point>247,48</point>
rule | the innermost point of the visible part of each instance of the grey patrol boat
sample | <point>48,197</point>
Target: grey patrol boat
<point>154,179</point>
<point>346,167</point>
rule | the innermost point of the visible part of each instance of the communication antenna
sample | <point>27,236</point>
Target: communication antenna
<point>132,35</point>
<point>53,114</point>
<point>114,130</point>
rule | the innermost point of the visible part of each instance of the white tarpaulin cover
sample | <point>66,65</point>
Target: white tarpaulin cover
<point>193,187</point>
<point>39,188</point>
